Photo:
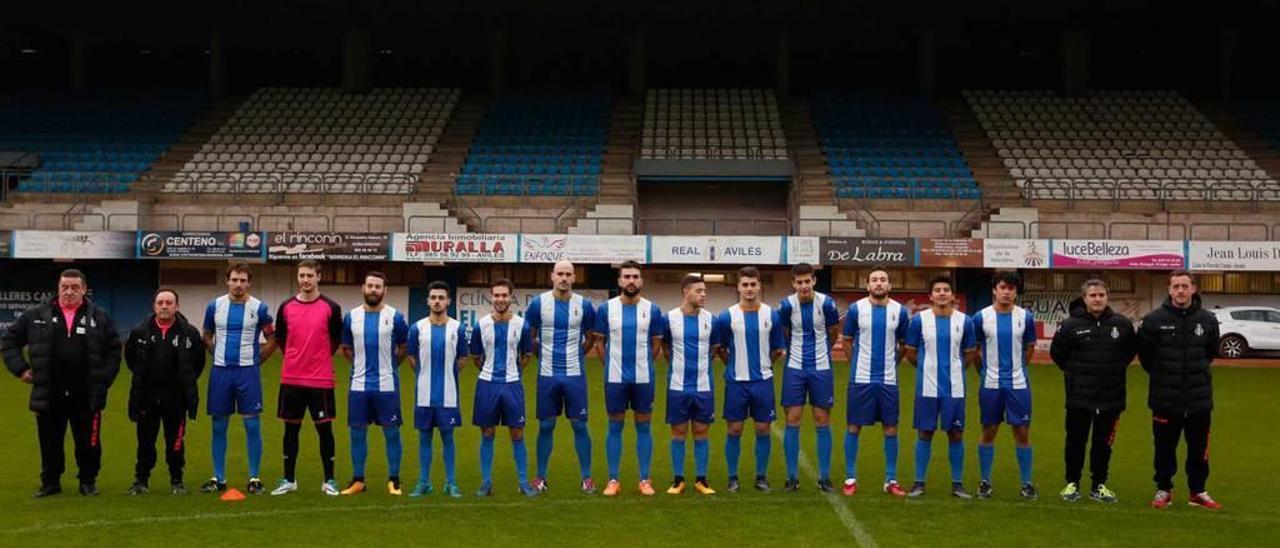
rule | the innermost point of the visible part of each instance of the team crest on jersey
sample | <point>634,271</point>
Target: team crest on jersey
<point>1115,332</point>
<point>1199,330</point>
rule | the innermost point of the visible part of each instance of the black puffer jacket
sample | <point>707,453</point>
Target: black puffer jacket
<point>1094,354</point>
<point>1177,346</point>
<point>34,330</point>
<point>187,358</point>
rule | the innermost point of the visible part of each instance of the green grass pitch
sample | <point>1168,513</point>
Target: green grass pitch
<point>1244,478</point>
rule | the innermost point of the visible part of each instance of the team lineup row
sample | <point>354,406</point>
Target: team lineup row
<point>167,355</point>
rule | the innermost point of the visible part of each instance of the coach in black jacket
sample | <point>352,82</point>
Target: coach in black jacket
<point>1179,341</point>
<point>166,355</point>
<point>1094,347</point>
<point>73,357</point>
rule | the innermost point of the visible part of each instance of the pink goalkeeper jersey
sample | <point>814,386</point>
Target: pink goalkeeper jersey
<point>308,334</point>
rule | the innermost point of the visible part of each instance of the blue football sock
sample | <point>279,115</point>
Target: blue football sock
<point>924,450</point>
<point>986,458</point>
<point>644,447</point>
<point>955,451</point>
<point>763,446</point>
<point>486,459</point>
<point>851,455</point>
<point>701,454</point>
<point>890,458</point>
<point>546,442</point>
<point>425,455</point>
<point>790,449</point>
<point>1024,463</point>
<point>582,444</point>
<point>446,437</point>
<point>732,449</point>
<point>522,460</point>
<point>824,452</point>
<point>359,450</point>
<point>395,450</point>
<point>253,444</point>
<point>613,448</point>
<point>677,456</point>
<point>220,425</point>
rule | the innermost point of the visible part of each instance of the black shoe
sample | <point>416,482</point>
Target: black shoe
<point>917,490</point>
<point>47,491</point>
<point>138,488</point>
<point>1029,492</point>
<point>825,486</point>
<point>762,485</point>
<point>791,486</point>
<point>957,491</point>
<point>177,488</point>
<point>984,489</point>
<point>255,486</point>
<point>89,489</point>
<point>733,485</point>
<point>213,486</point>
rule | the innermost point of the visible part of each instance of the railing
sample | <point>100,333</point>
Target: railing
<point>529,185</point>
<point>1124,190</point>
<point>677,226</point>
<point>630,222</point>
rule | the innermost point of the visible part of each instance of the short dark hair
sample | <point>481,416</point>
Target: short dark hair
<point>1182,272</point>
<point>1093,282</point>
<point>502,282</point>
<point>628,264</point>
<point>375,274</point>
<point>749,272</point>
<point>165,290</point>
<point>1009,277</point>
<point>690,279</point>
<point>801,269</point>
<point>941,279</point>
<point>438,285</point>
<point>308,263</point>
<point>242,268</point>
<point>878,268</point>
<point>74,273</point>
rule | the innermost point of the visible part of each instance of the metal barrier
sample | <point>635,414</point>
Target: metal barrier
<point>429,224</point>
<point>1034,228</point>
<point>397,223</point>
<point>520,222</point>
<point>1230,227</point>
<point>595,222</point>
<point>755,227</point>
<point>1146,228</point>
<point>943,233</point>
<point>1023,229</point>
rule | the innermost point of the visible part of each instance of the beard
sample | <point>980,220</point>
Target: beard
<point>630,291</point>
<point>372,300</point>
<point>880,294</point>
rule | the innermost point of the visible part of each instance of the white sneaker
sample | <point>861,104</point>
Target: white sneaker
<point>330,488</point>
<point>284,487</point>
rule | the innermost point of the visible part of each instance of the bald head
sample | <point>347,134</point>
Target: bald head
<point>562,278</point>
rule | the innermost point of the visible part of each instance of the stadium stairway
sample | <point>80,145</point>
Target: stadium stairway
<point>997,187</point>
<point>1258,148</point>
<point>815,211</point>
<point>211,119</point>
<point>617,176</point>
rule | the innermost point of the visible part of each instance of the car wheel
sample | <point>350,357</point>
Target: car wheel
<point>1233,346</point>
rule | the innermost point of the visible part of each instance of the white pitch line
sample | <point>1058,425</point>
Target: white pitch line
<point>856,530</point>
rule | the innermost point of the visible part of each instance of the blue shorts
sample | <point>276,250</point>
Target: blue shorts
<point>234,389</point>
<point>444,418</point>
<point>621,396</point>
<point>683,407</point>
<point>930,410</point>
<point>566,395</point>
<point>872,403</point>
<point>749,398</point>
<point>812,386</point>
<point>1011,405</point>
<point>499,403</point>
<point>380,408</point>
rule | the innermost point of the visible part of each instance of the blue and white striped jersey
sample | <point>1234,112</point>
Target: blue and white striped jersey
<point>561,327</point>
<point>499,346</point>
<point>1002,342</point>
<point>940,343</point>
<point>808,322</point>
<point>437,349</point>
<point>236,328</point>
<point>875,332</point>
<point>690,340</point>
<point>373,338</point>
<point>628,331</point>
<point>750,338</point>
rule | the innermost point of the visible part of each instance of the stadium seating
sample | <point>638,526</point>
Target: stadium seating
<point>882,146</point>
<point>321,140</point>
<point>97,142</point>
<point>539,146</point>
<point>1116,145</point>
<point>1263,117</point>
<point>716,124</point>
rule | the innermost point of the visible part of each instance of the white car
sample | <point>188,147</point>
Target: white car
<point>1247,328</point>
